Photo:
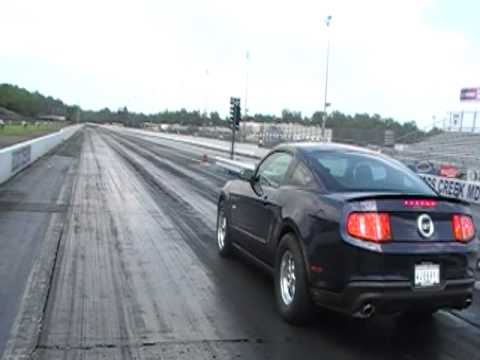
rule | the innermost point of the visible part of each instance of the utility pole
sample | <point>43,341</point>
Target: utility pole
<point>325,104</point>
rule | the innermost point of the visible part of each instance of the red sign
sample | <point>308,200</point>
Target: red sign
<point>470,94</point>
<point>449,171</point>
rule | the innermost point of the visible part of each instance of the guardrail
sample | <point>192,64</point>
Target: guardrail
<point>15,158</point>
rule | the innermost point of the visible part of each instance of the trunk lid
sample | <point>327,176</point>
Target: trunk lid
<point>413,218</point>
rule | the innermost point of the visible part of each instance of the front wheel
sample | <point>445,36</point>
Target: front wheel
<point>223,239</point>
<point>291,285</point>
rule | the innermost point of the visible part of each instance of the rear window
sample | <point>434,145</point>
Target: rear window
<point>355,171</point>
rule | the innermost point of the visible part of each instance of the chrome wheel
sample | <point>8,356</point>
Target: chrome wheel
<point>287,278</point>
<point>221,230</point>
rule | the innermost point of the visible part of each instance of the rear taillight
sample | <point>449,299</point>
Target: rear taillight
<point>370,226</point>
<point>463,228</point>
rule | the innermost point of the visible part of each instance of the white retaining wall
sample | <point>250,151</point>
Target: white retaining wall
<point>17,157</point>
<point>233,165</point>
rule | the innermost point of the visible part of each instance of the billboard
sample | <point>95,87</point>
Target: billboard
<point>470,94</point>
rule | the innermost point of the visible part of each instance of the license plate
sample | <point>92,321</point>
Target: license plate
<point>427,275</point>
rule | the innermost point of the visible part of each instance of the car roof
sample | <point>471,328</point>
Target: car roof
<point>308,147</point>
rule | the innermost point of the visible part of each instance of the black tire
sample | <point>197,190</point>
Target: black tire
<point>227,249</point>
<point>300,310</point>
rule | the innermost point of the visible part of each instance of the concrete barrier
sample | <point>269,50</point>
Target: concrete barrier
<point>242,149</point>
<point>233,165</point>
<point>15,158</point>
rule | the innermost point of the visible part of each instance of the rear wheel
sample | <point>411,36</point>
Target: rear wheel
<point>291,286</point>
<point>223,239</point>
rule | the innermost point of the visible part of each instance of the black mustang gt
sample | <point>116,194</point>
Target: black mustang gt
<point>351,230</point>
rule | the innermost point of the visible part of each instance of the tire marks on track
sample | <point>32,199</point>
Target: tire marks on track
<point>184,166</point>
<point>127,277</point>
<point>139,278</point>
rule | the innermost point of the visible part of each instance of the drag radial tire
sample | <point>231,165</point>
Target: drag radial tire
<point>224,244</point>
<point>292,293</point>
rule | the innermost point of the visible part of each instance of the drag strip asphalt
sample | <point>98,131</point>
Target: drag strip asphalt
<point>136,275</point>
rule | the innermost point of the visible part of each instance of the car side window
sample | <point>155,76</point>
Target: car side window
<point>379,173</point>
<point>273,169</point>
<point>301,176</point>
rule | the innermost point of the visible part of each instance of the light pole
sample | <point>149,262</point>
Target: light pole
<point>207,90</point>
<point>245,110</point>
<point>325,104</point>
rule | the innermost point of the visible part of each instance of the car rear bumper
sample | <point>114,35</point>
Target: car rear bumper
<point>392,297</point>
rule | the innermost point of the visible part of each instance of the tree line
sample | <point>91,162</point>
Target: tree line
<point>344,126</point>
<point>32,104</point>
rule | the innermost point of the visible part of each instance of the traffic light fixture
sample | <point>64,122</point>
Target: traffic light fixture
<point>238,116</point>
<point>235,116</point>
<point>235,112</point>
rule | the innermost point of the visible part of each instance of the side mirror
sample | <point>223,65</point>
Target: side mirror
<point>246,174</point>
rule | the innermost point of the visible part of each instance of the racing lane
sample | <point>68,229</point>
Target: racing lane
<point>137,275</point>
<point>30,205</point>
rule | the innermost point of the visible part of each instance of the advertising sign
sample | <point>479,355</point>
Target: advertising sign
<point>21,158</point>
<point>470,94</point>
<point>454,188</point>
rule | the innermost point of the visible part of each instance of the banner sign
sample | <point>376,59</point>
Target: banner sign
<point>459,189</point>
<point>470,94</point>
<point>21,158</point>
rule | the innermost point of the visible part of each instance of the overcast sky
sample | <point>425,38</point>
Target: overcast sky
<point>406,59</point>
